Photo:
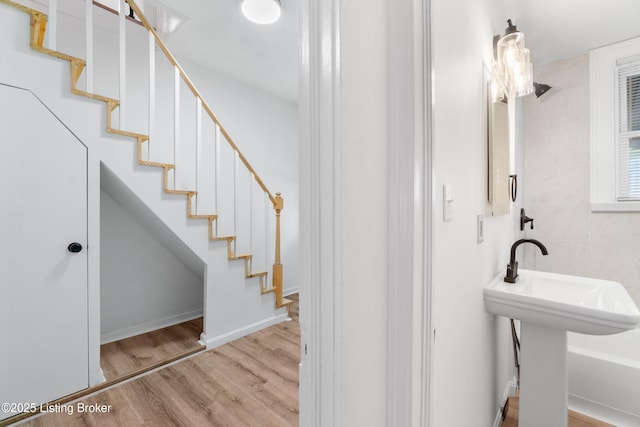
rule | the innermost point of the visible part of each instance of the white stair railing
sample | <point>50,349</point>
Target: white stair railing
<point>220,184</point>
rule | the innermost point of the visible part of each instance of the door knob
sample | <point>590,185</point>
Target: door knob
<point>74,247</point>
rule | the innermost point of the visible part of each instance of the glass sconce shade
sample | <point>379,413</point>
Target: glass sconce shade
<point>513,66</point>
<point>261,11</point>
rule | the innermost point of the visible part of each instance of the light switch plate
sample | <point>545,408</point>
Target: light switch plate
<point>480,228</point>
<point>447,200</point>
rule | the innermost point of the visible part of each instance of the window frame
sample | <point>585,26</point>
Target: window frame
<point>603,105</point>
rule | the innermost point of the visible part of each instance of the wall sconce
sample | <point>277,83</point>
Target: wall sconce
<point>541,88</point>
<point>261,11</point>
<point>512,69</point>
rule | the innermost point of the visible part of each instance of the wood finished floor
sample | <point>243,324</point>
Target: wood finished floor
<point>252,381</point>
<point>575,419</point>
<point>120,358</point>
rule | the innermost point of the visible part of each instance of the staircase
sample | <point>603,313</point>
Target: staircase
<point>172,184</point>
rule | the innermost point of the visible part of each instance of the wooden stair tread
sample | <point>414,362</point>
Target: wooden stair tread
<point>185,192</point>
<point>227,238</point>
<point>59,55</point>
<point>95,96</point>
<point>21,7</point>
<point>209,217</point>
<point>158,164</point>
<point>129,134</point>
<point>286,301</point>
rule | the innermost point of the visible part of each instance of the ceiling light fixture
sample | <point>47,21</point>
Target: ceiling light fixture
<point>512,67</point>
<point>261,11</point>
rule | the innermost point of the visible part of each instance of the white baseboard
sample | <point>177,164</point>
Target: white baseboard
<point>509,390</point>
<point>584,406</point>
<point>244,331</point>
<point>149,326</point>
<point>603,412</point>
<point>102,377</point>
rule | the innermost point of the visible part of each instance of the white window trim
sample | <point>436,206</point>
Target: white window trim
<point>603,149</point>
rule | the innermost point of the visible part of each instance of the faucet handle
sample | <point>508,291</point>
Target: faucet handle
<point>512,272</point>
<point>524,219</point>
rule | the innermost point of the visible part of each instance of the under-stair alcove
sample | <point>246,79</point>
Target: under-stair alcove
<point>149,280</point>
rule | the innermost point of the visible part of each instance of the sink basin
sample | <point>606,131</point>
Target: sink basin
<point>571,303</point>
<point>548,305</point>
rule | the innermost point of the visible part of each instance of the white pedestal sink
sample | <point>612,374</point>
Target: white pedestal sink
<point>548,305</point>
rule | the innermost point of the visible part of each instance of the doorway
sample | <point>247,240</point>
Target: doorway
<point>358,76</point>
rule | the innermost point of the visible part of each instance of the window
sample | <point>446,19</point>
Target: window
<point>628,131</point>
<point>615,127</point>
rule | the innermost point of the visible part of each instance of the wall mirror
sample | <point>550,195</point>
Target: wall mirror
<point>498,155</point>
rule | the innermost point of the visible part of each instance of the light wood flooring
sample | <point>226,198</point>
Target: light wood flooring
<point>575,419</point>
<point>121,358</point>
<point>252,381</point>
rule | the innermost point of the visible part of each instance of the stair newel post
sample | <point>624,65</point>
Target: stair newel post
<point>278,204</point>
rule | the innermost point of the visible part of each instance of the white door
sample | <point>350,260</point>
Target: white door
<point>43,284</point>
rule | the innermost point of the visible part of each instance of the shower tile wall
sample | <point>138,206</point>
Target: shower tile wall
<point>556,186</point>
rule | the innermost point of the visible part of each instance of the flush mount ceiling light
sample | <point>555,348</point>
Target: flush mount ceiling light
<point>261,11</point>
<point>512,67</point>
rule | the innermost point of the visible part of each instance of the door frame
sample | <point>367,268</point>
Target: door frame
<point>409,186</point>
<point>320,250</point>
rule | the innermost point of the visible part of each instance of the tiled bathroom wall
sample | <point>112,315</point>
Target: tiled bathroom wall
<point>555,186</point>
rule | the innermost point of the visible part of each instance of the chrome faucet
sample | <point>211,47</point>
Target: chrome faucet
<point>512,268</point>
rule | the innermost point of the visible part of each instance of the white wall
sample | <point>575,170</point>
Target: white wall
<point>471,362</point>
<point>556,183</point>
<point>471,365</point>
<point>143,285</point>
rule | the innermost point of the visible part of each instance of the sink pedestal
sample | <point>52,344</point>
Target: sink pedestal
<point>543,376</point>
